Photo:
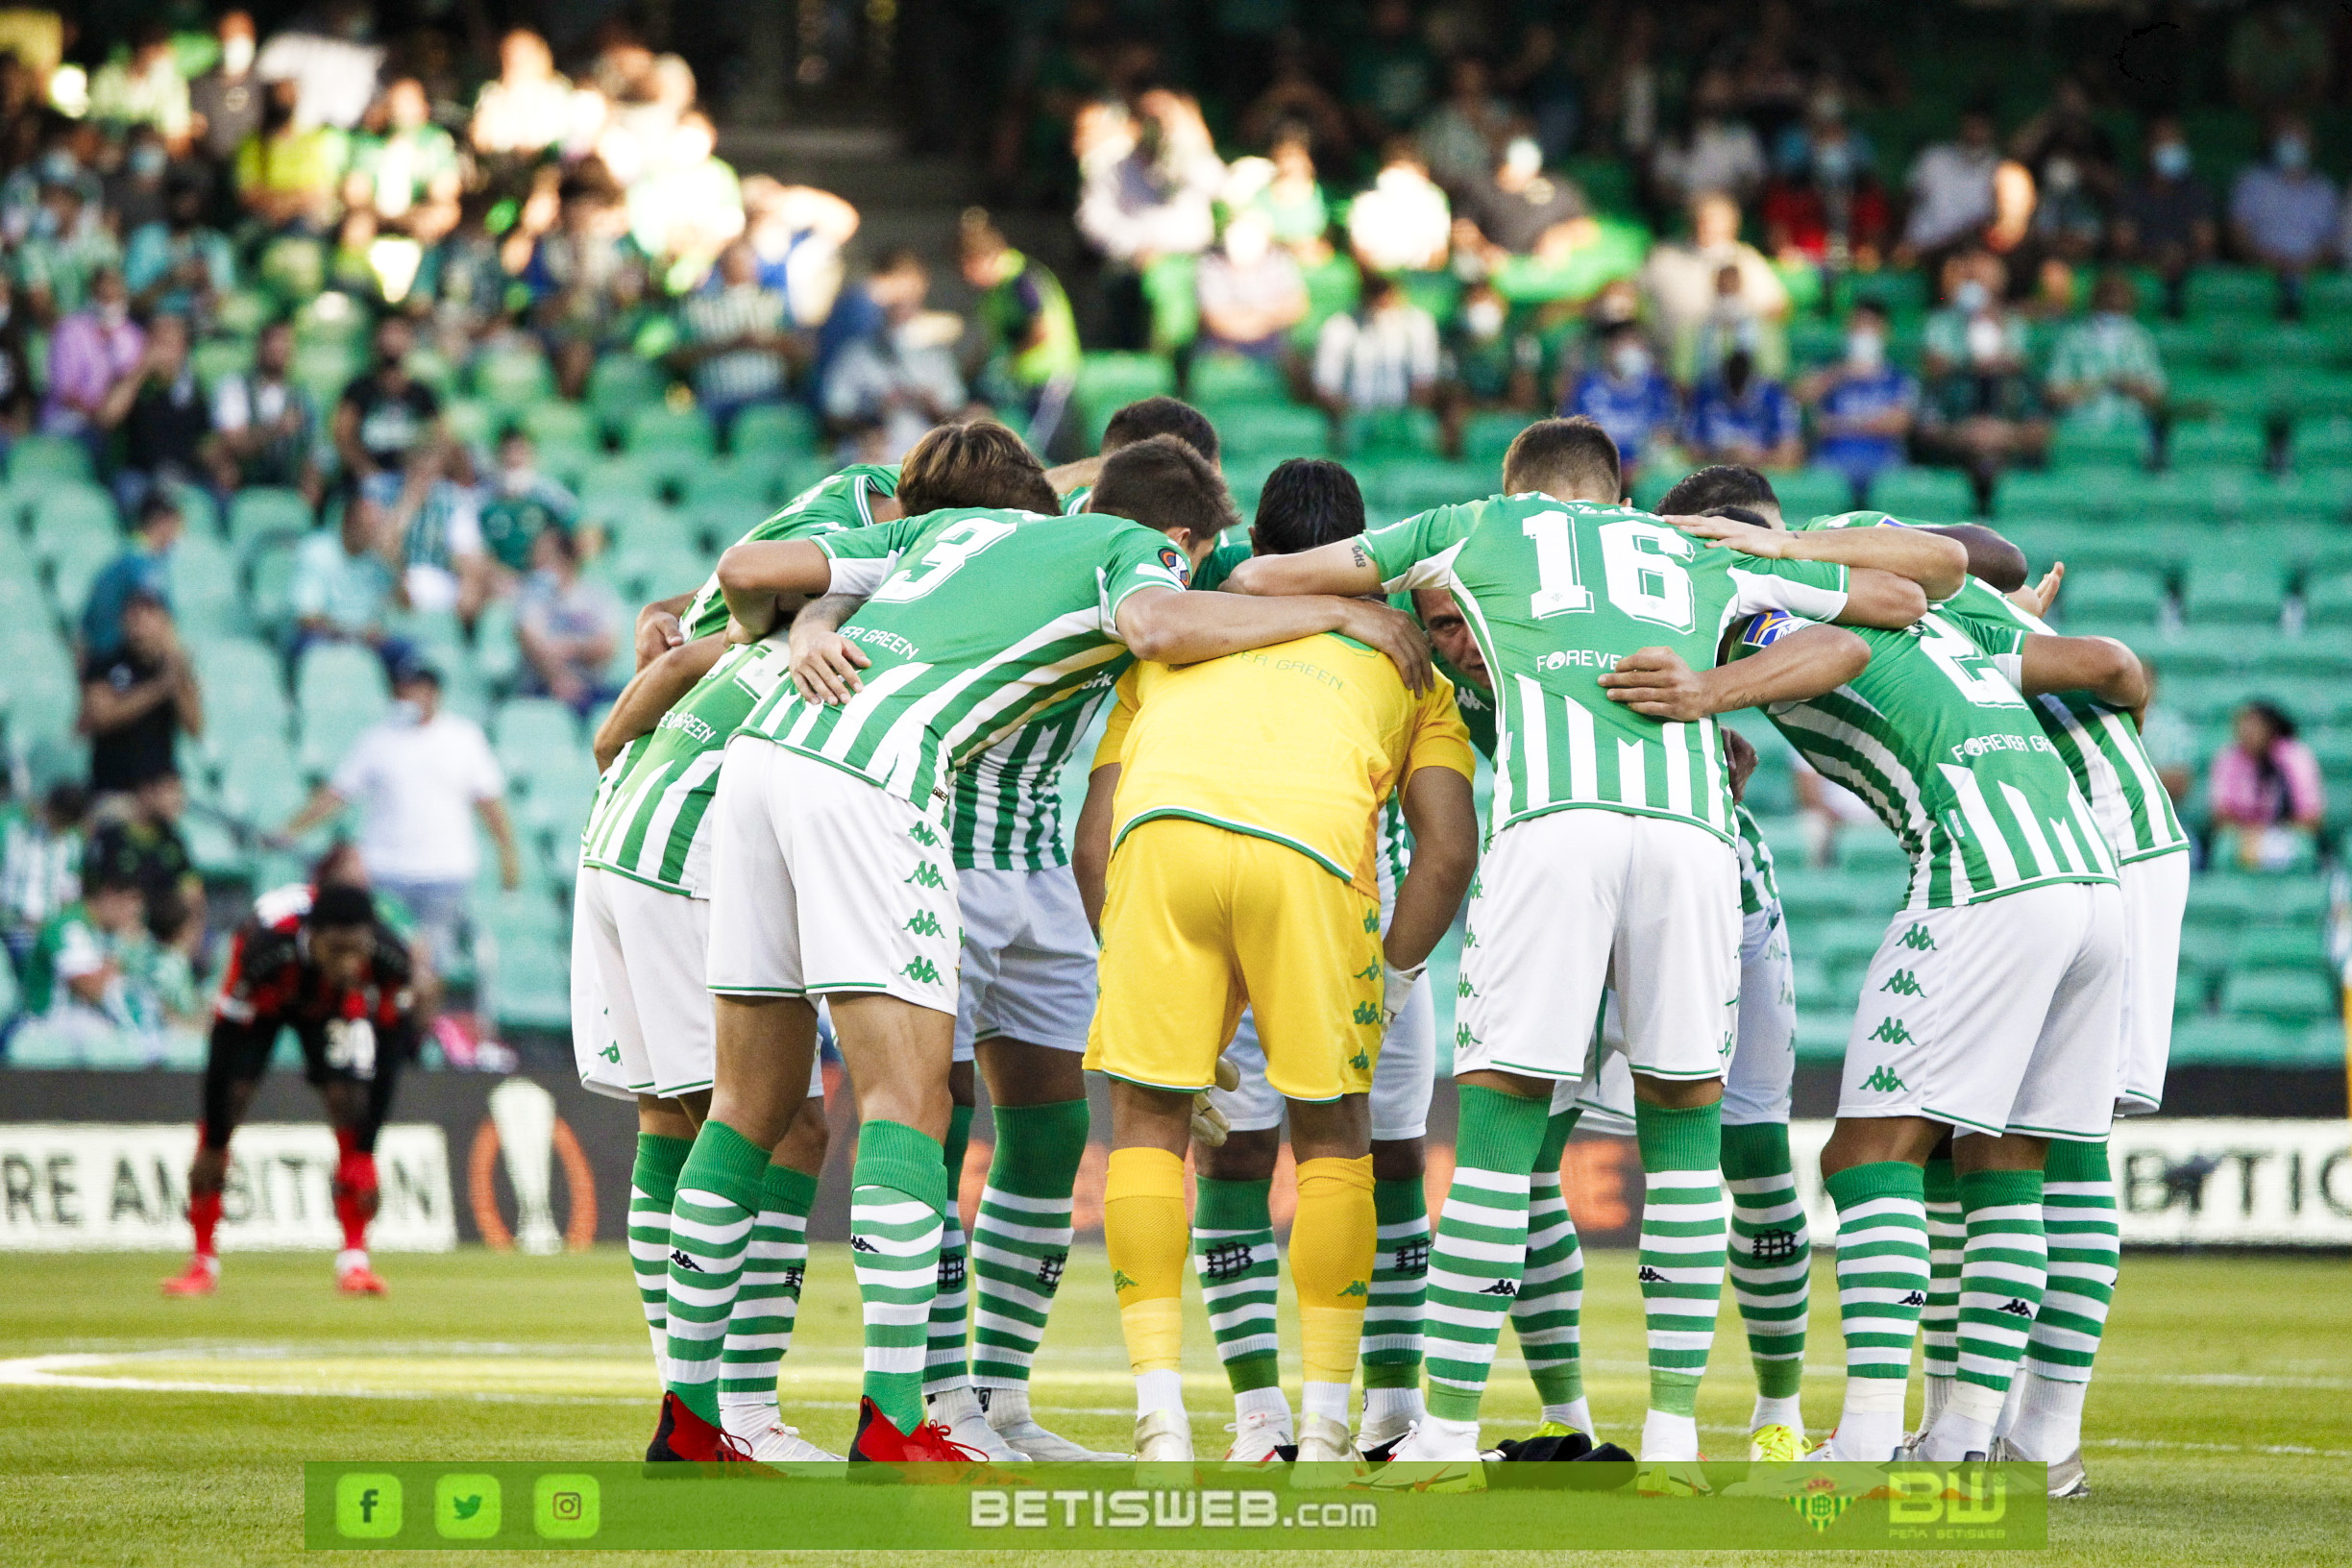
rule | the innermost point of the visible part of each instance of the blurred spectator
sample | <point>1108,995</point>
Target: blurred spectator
<point>1489,364</point>
<point>225,101</point>
<point>1629,94</point>
<point>2166,218</point>
<point>417,775</point>
<point>1404,223</point>
<point>67,248</point>
<point>347,580</point>
<point>287,173</point>
<point>180,263</point>
<point>134,188</point>
<point>267,423</point>
<point>1952,187</point>
<point>385,415</point>
<point>520,503</point>
<point>145,568</point>
<point>438,521</point>
<point>2278,58</point>
<point>796,232</point>
<point>1699,311</point>
<point>1717,154</point>
<point>16,389</point>
<point>2283,214</point>
<point>1863,406</point>
<point>1517,209</point>
<point>1251,293</point>
<point>2070,218</point>
<point>1545,76</point>
<point>1381,355</point>
<point>1824,203</point>
<point>1291,197</point>
<point>1295,105</point>
<point>687,205</point>
<point>138,699</point>
<point>2265,793</point>
<point>92,352</point>
<point>405,174</point>
<point>1146,179</point>
<point>2170,742</point>
<point>573,266</point>
<point>327,54</point>
<point>144,848</point>
<point>1626,395</point>
<point>736,331</point>
<point>1463,139</point>
<point>1982,411</point>
<point>1740,416</point>
<point>166,429</point>
<point>40,864</point>
<point>1027,333</point>
<point>1389,73</point>
<point>73,976</point>
<point>527,109</point>
<point>566,626</point>
<point>2105,368</point>
<point>2067,149</point>
<point>886,389</point>
<point>144,87</point>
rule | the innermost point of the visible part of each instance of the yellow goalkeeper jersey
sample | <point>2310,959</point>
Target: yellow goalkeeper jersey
<point>1300,743</point>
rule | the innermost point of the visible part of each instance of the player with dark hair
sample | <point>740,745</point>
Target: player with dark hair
<point>1138,420</point>
<point>320,962</point>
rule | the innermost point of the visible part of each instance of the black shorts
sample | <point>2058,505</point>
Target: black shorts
<point>240,1054</point>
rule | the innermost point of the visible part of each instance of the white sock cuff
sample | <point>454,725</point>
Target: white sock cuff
<point>1325,1398</point>
<point>1160,1390</point>
<point>1270,1401</point>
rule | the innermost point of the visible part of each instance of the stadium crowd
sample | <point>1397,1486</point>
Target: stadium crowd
<point>337,370</point>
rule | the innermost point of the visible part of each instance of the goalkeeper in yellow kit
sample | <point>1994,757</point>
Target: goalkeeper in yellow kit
<point>1227,850</point>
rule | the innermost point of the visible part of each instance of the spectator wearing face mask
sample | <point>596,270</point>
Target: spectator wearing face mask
<point>520,504</point>
<point>1381,355</point>
<point>1462,136</point>
<point>91,353</point>
<point>385,415</point>
<point>439,523</point>
<point>2105,369</point>
<point>2166,219</point>
<point>1824,203</point>
<point>180,263</point>
<point>145,568</point>
<point>1250,291</point>
<point>1490,363</point>
<point>167,426</point>
<point>1701,313</point>
<point>1738,416</point>
<point>1983,411</point>
<point>267,422</point>
<point>66,247</point>
<point>139,700</point>
<point>135,190</point>
<point>1147,180</point>
<point>1626,395</point>
<point>225,101</point>
<point>1717,152</point>
<point>886,390</point>
<point>1863,406</point>
<point>286,173</point>
<point>2283,214</point>
<point>1518,209</point>
<point>406,174</point>
<point>566,626</point>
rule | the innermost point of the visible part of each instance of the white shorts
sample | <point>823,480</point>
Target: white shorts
<point>822,881</point>
<point>1028,960</point>
<point>1762,1070</point>
<point>1566,901</point>
<point>2005,1017</point>
<point>2155,892</point>
<point>641,1014</point>
<point>1403,1076</point>
<point>1604,1094</point>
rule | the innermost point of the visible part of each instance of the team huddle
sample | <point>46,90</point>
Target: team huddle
<point>832,803</point>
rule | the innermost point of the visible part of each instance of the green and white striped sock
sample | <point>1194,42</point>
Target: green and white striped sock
<point>652,1189</point>
<point>759,1329</point>
<point>1020,1238</point>
<point>897,1198</point>
<point>2002,1274</point>
<point>1392,1345</point>
<point>1233,1251</point>
<point>1480,1255</point>
<point>1940,1322</point>
<point>1771,1254</point>
<point>946,1363</point>
<point>2078,1216</point>
<point>1547,1315</point>
<point>1882,1283</point>
<point>719,1193</point>
<point>1681,1269</point>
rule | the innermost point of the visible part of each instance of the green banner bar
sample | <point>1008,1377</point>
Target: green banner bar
<point>1559,1507</point>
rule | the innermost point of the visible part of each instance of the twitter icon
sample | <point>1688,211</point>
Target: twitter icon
<point>466,1507</point>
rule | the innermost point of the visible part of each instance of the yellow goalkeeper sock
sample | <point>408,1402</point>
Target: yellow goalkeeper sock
<point>1149,1242</point>
<point>1331,1243</point>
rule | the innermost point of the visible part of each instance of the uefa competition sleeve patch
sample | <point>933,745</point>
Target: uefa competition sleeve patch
<point>1769,626</point>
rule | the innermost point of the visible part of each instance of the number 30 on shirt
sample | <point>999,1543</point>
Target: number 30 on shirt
<point>1641,567</point>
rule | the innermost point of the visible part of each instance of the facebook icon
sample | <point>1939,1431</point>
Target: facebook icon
<point>367,1506</point>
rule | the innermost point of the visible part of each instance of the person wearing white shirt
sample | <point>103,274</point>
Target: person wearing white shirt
<point>420,778</point>
<point>1382,356</point>
<point>1951,186</point>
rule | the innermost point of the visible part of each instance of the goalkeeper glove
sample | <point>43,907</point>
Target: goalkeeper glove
<point>1209,1123</point>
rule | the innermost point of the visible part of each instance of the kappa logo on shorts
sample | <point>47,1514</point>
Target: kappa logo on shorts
<point>1049,1269</point>
<point>924,875</point>
<point>1370,972</point>
<point>1890,1031</point>
<point>1372,919</point>
<point>1903,983</point>
<point>611,1053</point>
<point>924,923</point>
<point>1412,1258</point>
<point>921,834</point>
<point>1502,1288</point>
<point>1882,1081</point>
<point>1464,989</point>
<point>1469,938</point>
<point>1366,1013</point>
<point>1228,1259</point>
<point>1361,1061</point>
<point>1464,1036</point>
<point>679,1259</point>
<point>923,971</point>
<point>1918,939</point>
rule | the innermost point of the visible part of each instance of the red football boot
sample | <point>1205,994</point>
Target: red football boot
<point>202,1279</point>
<point>682,1435</point>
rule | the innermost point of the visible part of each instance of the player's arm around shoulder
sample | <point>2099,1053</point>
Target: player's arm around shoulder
<point>1892,573</point>
<point>1804,662</point>
<point>2037,662</point>
<point>1172,626</point>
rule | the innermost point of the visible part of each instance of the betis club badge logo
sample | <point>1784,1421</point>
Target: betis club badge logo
<point>1820,1503</point>
<point>1173,560</point>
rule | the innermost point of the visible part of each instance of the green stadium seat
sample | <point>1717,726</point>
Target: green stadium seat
<point>621,383</point>
<point>2305,658</point>
<point>2236,291</point>
<point>42,459</point>
<point>2030,496</point>
<point>1393,432</point>
<point>1930,495</point>
<point>339,690</point>
<point>773,433</point>
<point>218,356</point>
<point>513,379</point>
<point>1234,378</point>
<point>530,728</point>
<point>1812,492</point>
<point>2235,442</point>
<point>205,588</point>
<point>559,793</point>
<point>260,780</point>
<point>1822,1034</point>
<point>1405,487</point>
<point>662,430</point>
<point>1876,856</point>
<point>1109,379</point>
<point>2083,443</point>
<point>2327,603</point>
<point>1276,430</point>
<point>749,489</point>
<point>553,424</point>
<point>2322,443</point>
<point>75,560</point>
<point>2280,944</point>
<point>1487,436</point>
<point>2245,596</point>
<point>2298,997</point>
<point>2113,597</point>
<point>530,984</point>
<point>243,312</point>
<point>324,369</point>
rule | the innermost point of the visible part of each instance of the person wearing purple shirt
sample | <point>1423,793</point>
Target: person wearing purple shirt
<point>1627,395</point>
<point>90,353</point>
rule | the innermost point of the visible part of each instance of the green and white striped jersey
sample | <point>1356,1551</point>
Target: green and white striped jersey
<point>978,622</point>
<point>1941,745</point>
<point>1076,501</point>
<point>1557,592</point>
<point>647,820</point>
<point>2099,745</point>
<point>1006,814</point>
<point>838,500</point>
<point>1758,890</point>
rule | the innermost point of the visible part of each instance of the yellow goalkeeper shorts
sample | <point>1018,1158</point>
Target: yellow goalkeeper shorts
<point>1201,921</point>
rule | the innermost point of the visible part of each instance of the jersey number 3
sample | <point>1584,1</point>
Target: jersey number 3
<point>952,546</point>
<point>1641,565</point>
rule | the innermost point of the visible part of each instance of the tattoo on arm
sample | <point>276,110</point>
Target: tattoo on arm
<point>1361,555</point>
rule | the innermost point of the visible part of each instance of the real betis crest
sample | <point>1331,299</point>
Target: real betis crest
<point>1820,1503</point>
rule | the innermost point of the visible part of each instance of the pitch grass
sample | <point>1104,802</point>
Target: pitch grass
<point>2220,1430</point>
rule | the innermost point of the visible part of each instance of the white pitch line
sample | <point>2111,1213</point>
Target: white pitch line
<point>2299,1450</point>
